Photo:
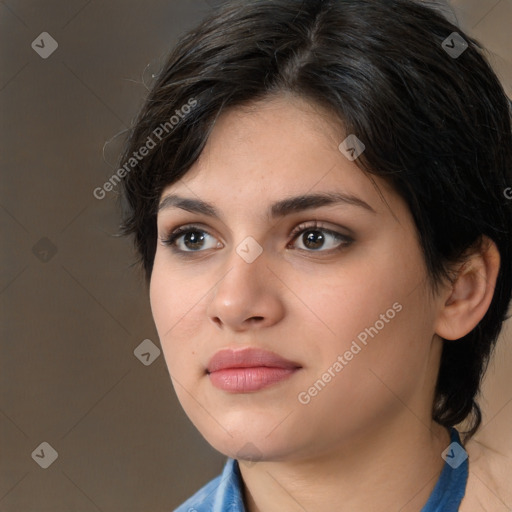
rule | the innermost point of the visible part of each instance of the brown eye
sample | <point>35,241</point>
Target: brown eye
<point>190,239</point>
<point>314,238</point>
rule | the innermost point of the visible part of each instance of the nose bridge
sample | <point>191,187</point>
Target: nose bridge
<point>246,266</point>
<point>245,291</point>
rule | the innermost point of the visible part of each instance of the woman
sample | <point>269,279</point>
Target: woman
<point>317,195</point>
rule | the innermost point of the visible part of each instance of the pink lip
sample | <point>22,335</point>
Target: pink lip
<point>246,370</point>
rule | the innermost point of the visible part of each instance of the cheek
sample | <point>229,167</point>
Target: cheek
<point>174,295</point>
<point>163,301</point>
<point>345,302</point>
<point>375,307</point>
<point>174,306</point>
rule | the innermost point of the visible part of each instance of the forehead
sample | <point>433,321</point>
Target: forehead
<point>274,149</point>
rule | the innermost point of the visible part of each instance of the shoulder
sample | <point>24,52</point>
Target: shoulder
<point>488,486</point>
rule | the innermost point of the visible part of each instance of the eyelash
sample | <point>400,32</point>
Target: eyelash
<point>300,229</point>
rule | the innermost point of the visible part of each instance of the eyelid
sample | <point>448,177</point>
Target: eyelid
<point>315,224</point>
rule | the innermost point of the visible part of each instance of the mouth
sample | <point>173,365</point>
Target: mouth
<point>248,370</point>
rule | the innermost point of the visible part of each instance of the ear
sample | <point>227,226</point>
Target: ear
<point>467,299</point>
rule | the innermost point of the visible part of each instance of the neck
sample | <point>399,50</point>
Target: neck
<point>388,469</point>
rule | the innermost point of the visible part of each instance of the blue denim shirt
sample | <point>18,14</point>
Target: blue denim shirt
<point>224,493</point>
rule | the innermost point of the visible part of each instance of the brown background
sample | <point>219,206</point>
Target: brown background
<point>73,308</point>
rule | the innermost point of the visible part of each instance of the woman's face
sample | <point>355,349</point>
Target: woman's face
<point>332,288</point>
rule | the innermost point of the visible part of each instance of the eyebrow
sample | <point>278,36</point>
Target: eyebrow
<point>279,209</point>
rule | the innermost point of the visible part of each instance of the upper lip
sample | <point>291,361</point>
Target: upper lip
<point>247,358</point>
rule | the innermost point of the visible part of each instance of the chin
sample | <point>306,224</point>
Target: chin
<point>248,439</point>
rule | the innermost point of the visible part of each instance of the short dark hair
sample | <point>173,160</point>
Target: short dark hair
<point>436,126</point>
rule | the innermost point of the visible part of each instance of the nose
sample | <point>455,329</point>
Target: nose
<point>248,296</point>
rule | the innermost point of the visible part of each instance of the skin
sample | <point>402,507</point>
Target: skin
<point>366,441</point>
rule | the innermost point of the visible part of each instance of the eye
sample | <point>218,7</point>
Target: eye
<point>190,239</point>
<point>315,238</point>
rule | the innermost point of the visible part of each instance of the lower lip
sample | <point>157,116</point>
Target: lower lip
<point>244,380</point>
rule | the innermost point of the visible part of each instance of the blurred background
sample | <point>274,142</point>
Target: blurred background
<point>88,417</point>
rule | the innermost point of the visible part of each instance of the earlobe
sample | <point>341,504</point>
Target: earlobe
<point>468,298</point>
